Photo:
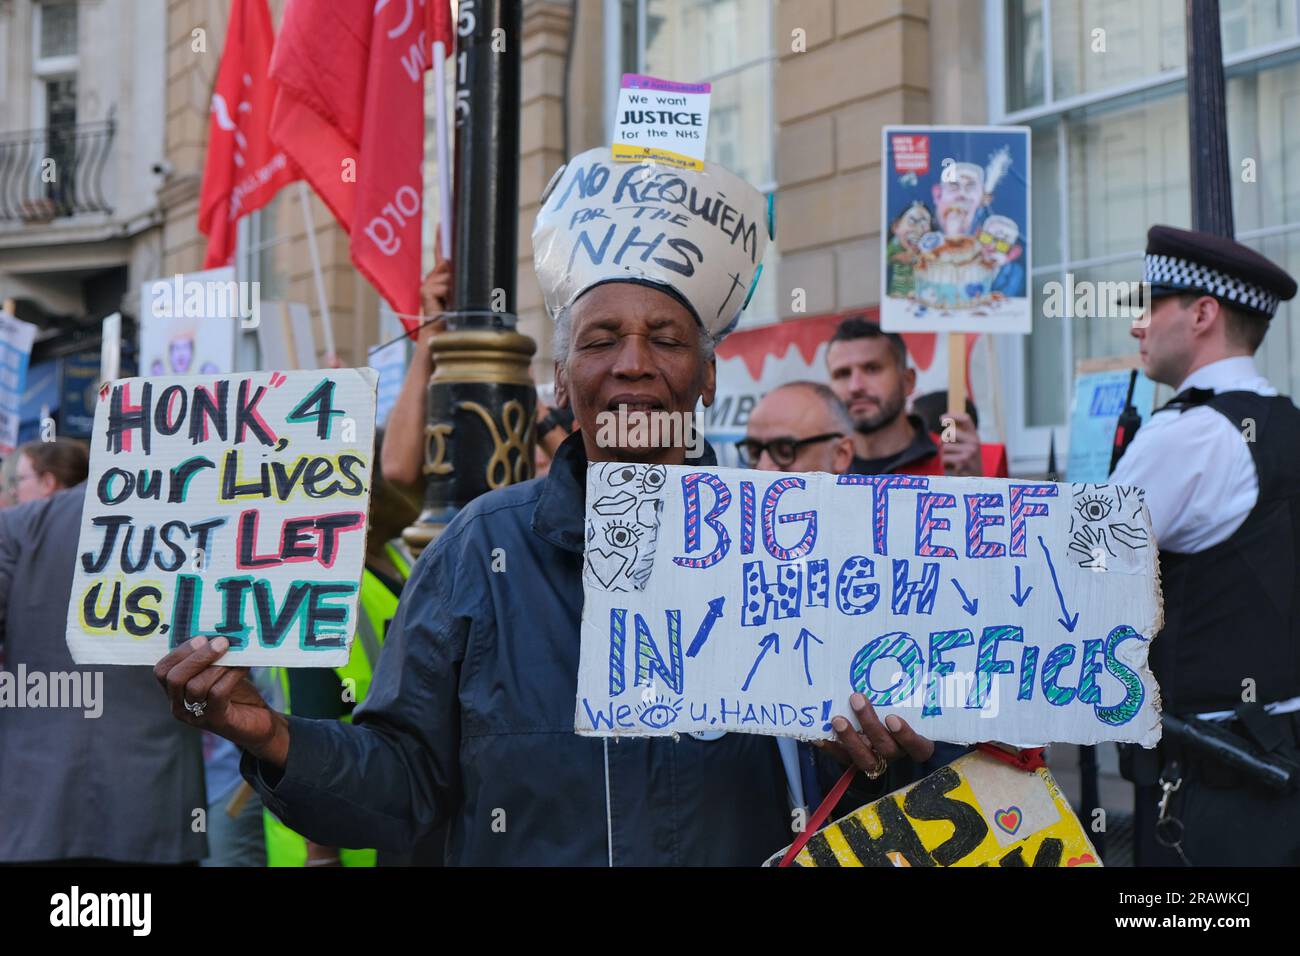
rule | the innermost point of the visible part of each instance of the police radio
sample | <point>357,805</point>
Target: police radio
<point>1127,425</point>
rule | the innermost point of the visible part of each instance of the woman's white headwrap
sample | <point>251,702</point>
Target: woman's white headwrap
<point>700,233</point>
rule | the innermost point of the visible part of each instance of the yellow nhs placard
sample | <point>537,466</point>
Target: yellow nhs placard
<point>976,811</point>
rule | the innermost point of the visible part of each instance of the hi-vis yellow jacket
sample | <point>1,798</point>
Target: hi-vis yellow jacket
<point>284,847</point>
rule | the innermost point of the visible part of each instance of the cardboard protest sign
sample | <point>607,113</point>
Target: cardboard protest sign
<point>955,215</point>
<point>718,599</point>
<point>603,220</point>
<point>976,811</point>
<point>661,121</point>
<point>229,506</point>
<point>16,339</point>
<point>1098,401</point>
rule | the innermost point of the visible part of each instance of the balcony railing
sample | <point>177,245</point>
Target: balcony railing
<point>54,173</point>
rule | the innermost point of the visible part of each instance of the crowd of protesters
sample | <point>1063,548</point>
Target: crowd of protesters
<point>455,705</point>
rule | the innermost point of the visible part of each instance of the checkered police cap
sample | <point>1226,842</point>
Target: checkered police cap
<point>1179,260</point>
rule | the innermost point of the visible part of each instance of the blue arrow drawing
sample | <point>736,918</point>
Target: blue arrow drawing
<point>805,638</point>
<point>702,635</point>
<point>967,605</point>
<point>772,642</point>
<point>1067,620</point>
<point>1020,597</point>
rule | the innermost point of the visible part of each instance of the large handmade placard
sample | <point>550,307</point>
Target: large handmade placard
<point>976,811</point>
<point>718,599</point>
<point>227,506</point>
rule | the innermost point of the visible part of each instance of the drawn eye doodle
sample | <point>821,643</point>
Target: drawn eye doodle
<point>653,479</point>
<point>1095,508</point>
<point>658,713</point>
<point>623,475</point>
<point>622,536</point>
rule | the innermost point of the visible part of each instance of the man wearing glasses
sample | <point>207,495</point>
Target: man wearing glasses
<point>800,426</point>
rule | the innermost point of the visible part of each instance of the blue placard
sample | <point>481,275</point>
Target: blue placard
<point>1098,402</point>
<point>40,391</point>
<point>77,390</point>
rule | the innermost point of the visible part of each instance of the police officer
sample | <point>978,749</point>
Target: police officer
<point>1220,465</point>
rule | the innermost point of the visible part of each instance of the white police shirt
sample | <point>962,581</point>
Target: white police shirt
<point>1195,465</point>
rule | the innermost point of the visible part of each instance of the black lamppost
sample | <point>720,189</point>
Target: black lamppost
<point>1207,121</point>
<point>481,398</point>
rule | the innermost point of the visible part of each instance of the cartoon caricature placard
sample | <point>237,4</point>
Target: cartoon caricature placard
<point>955,225</point>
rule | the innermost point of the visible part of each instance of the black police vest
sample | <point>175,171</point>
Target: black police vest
<point>1231,610</point>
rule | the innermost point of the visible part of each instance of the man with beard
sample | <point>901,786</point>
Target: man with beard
<point>869,374</point>
<point>469,722</point>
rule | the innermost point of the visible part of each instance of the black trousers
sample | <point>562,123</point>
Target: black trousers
<point>1227,821</point>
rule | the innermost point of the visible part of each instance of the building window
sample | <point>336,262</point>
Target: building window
<point>728,43</point>
<point>54,65</point>
<point>1102,84</point>
<point>54,95</point>
<point>57,30</point>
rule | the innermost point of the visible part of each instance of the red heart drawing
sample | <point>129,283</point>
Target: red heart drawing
<point>1009,819</point>
<point>1084,860</point>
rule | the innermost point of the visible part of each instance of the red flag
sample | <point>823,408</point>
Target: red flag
<point>439,25</point>
<point>244,169</point>
<point>351,114</point>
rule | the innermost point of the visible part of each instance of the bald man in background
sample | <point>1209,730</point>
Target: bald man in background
<point>799,426</point>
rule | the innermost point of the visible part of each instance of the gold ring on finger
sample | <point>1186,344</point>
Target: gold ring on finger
<point>881,766</point>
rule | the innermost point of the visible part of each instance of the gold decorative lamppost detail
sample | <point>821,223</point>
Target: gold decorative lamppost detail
<point>479,434</point>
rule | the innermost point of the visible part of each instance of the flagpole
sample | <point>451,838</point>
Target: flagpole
<point>442,146</point>
<point>321,301</point>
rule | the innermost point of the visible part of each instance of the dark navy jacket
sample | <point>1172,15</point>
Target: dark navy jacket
<point>469,721</point>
